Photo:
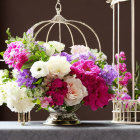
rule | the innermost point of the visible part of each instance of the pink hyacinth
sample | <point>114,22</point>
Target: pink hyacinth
<point>88,73</point>
<point>121,56</point>
<point>122,67</point>
<point>125,79</point>
<point>16,55</point>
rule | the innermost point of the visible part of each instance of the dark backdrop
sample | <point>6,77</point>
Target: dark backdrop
<point>19,15</point>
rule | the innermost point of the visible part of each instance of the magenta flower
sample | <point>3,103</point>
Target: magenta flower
<point>16,55</point>
<point>121,56</point>
<point>123,96</point>
<point>88,73</point>
<point>125,79</point>
<point>57,90</point>
<point>128,75</point>
<point>85,66</point>
<point>46,101</point>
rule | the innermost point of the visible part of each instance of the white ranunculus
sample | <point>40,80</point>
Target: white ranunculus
<point>17,99</point>
<point>58,66</point>
<point>76,91</point>
<point>59,47</point>
<point>50,50</point>
<point>39,69</point>
<point>78,49</point>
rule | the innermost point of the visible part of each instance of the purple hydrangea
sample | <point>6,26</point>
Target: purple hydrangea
<point>85,56</point>
<point>25,79</point>
<point>109,74</point>
<point>68,56</point>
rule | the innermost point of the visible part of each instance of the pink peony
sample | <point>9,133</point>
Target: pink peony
<point>88,73</point>
<point>57,90</point>
<point>15,55</point>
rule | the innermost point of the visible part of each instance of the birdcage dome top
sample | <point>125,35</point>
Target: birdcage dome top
<point>60,20</point>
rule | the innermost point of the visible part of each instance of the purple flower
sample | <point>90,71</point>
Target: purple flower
<point>30,32</point>
<point>109,74</point>
<point>40,45</point>
<point>68,56</point>
<point>123,96</point>
<point>25,79</point>
<point>85,56</point>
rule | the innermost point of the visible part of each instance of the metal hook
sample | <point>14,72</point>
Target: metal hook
<point>58,7</point>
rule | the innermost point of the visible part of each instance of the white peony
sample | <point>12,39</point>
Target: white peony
<point>78,49</point>
<point>39,69</point>
<point>76,91</point>
<point>50,50</point>
<point>17,99</point>
<point>58,66</point>
<point>59,47</point>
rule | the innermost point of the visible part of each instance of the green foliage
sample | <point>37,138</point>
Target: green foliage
<point>111,91</point>
<point>27,65</point>
<point>10,38</point>
<point>137,81</point>
<point>74,61</point>
<point>38,82</point>
<point>2,53</point>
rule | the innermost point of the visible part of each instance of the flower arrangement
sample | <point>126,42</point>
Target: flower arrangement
<point>44,75</point>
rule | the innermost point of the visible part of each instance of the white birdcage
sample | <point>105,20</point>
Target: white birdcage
<point>125,111</point>
<point>60,20</point>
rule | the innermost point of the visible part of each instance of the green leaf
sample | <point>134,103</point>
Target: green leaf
<point>44,57</point>
<point>27,65</point>
<point>8,33</point>
<point>38,82</point>
<point>34,58</point>
<point>111,91</point>
<point>2,53</point>
<point>74,61</point>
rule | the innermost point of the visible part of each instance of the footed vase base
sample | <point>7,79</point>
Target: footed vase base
<point>62,119</point>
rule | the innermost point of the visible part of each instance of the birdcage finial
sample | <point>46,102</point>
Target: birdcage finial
<point>58,7</point>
